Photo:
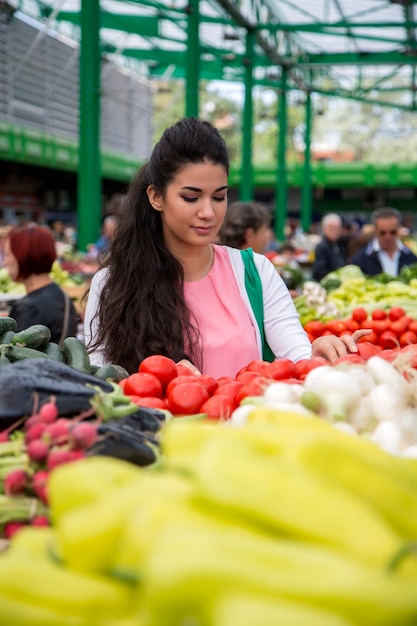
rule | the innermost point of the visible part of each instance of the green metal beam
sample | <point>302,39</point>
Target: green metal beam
<point>246,182</point>
<point>89,168</point>
<point>281,190</point>
<point>193,60</point>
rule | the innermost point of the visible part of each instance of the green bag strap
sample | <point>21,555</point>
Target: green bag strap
<point>253,286</point>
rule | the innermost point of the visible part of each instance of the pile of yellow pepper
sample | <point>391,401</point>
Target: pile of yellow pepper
<point>284,520</point>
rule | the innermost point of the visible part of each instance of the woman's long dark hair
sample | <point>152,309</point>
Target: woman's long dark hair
<point>142,309</point>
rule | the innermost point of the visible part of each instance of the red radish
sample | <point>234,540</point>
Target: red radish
<point>84,435</point>
<point>37,450</point>
<point>34,432</point>
<point>4,436</point>
<point>48,412</point>
<point>11,528</point>
<point>31,421</point>
<point>15,481</point>
<point>58,431</point>
<point>59,457</point>
<point>39,485</point>
<point>39,520</point>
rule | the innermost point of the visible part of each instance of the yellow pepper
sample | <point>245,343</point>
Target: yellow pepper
<point>36,590</point>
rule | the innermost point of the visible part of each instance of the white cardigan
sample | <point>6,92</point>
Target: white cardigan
<point>283,331</point>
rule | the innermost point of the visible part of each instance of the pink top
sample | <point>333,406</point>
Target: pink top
<point>229,339</point>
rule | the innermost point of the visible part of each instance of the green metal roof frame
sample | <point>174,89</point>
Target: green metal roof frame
<point>357,49</point>
<point>328,55</point>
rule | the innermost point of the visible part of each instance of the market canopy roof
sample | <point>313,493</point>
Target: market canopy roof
<point>361,49</point>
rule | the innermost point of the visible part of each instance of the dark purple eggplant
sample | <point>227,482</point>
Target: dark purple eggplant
<point>35,380</point>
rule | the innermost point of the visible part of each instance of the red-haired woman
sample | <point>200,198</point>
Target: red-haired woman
<point>29,255</point>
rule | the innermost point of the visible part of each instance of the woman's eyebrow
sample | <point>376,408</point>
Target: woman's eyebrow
<point>196,189</point>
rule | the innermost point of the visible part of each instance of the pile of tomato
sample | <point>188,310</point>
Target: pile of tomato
<point>162,384</point>
<point>390,329</point>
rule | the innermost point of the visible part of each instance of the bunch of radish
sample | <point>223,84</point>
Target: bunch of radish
<point>28,455</point>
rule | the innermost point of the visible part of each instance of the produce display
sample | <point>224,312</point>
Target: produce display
<point>287,494</point>
<point>270,522</point>
<point>340,292</point>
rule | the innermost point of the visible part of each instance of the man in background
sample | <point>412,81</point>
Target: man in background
<point>329,255</point>
<point>385,252</point>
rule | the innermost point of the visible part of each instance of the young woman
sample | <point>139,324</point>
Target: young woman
<point>166,288</point>
<point>29,255</point>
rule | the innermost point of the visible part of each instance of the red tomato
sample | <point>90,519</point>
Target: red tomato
<point>256,366</point>
<point>246,377</point>
<point>315,328</point>
<point>407,338</point>
<point>162,367</point>
<point>366,349</point>
<point>304,366</point>
<point>388,354</point>
<point>359,314</point>
<point>380,326</point>
<point>219,407</point>
<point>149,401</point>
<point>225,379</point>
<point>352,357</point>
<point>388,339</point>
<point>143,384</point>
<point>255,388</point>
<point>229,389</point>
<point>208,382</point>
<point>183,370</point>
<point>395,313</point>
<point>379,314</point>
<point>181,379</point>
<point>352,325</point>
<point>368,323</point>
<point>400,325</point>
<point>187,398</point>
<point>412,326</point>
<point>337,327</point>
<point>280,369</point>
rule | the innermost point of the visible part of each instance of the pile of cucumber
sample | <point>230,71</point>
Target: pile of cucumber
<point>35,342</point>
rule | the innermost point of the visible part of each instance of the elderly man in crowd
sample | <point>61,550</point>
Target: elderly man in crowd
<point>329,255</point>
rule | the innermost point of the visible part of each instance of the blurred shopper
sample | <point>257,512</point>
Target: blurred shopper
<point>329,254</point>
<point>385,252</point>
<point>246,225</point>
<point>105,241</point>
<point>30,252</point>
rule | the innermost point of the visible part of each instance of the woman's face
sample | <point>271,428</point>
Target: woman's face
<point>10,261</point>
<point>194,205</point>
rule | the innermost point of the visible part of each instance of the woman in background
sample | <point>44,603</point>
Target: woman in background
<point>246,225</point>
<point>29,255</point>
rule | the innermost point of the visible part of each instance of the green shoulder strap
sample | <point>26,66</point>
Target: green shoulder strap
<point>253,286</point>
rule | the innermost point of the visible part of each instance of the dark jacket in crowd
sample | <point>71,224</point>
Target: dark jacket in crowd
<point>328,257</point>
<point>367,259</point>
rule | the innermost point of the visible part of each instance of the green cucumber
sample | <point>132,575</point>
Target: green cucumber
<point>54,351</point>
<point>7,337</point>
<point>76,355</point>
<point>18,353</point>
<point>7,323</point>
<point>116,373</point>
<point>35,336</point>
<point>4,360</point>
